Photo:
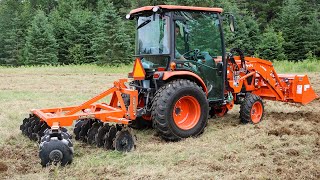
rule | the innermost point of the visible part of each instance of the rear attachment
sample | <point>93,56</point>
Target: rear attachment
<point>101,124</point>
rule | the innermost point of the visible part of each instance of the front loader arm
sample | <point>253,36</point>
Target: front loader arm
<point>269,85</point>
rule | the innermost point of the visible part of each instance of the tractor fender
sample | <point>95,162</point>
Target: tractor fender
<point>170,75</point>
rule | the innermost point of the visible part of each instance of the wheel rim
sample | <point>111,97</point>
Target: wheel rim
<point>222,111</point>
<point>186,112</point>
<point>256,112</point>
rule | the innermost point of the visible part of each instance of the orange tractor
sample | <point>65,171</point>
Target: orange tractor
<point>181,76</point>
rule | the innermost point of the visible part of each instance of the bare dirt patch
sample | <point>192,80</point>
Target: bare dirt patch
<point>295,116</point>
<point>19,158</point>
<point>3,167</point>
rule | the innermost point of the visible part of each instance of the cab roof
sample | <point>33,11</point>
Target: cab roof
<point>174,7</point>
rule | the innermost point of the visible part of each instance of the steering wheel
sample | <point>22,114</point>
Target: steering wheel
<point>194,55</point>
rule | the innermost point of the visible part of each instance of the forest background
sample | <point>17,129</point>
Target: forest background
<point>62,32</point>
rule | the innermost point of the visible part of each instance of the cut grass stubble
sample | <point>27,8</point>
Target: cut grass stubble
<point>285,145</point>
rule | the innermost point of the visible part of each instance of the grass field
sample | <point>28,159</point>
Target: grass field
<point>286,145</point>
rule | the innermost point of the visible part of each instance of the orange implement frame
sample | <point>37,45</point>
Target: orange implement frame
<point>115,111</point>
<point>265,82</point>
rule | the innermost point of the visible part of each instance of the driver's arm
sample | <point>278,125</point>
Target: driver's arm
<point>179,56</point>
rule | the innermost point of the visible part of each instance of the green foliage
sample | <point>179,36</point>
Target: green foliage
<point>41,45</point>
<point>110,43</point>
<point>291,24</point>
<point>271,45</point>
<point>95,31</point>
<point>296,67</point>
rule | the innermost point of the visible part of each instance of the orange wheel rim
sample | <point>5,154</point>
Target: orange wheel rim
<point>186,112</point>
<point>221,112</point>
<point>256,112</point>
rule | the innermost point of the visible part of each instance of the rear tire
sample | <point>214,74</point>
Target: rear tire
<point>251,109</point>
<point>180,110</point>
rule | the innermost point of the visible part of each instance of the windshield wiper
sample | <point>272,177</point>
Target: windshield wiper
<point>144,23</point>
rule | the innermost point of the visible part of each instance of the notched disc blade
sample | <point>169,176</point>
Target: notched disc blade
<point>102,131</point>
<point>109,137</point>
<point>124,141</point>
<point>92,132</point>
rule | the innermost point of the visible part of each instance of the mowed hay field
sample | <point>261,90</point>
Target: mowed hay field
<point>286,145</point>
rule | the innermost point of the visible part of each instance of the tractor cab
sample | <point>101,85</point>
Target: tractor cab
<point>185,39</point>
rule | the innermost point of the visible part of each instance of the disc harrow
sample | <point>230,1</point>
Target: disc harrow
<point>103,125</point>
<point>33,128</point>
<point>105,135</point>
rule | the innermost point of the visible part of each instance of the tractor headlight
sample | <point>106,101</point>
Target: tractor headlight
<point>155,9</point>
<point>129,17</point>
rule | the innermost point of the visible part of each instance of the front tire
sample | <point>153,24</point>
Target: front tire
<point>251,109</point>
<point>180,110</point>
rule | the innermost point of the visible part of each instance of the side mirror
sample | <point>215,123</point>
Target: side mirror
<point>231,23</point>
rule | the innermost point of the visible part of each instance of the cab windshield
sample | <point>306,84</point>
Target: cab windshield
<point>152,35</point>
<point>152,40</point>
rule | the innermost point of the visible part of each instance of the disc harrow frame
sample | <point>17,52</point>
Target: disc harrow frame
<point>115,111</point>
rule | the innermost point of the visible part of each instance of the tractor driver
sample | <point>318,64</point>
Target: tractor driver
<point>178,35</point>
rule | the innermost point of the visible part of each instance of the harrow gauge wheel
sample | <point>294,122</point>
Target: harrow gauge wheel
<point>56,148</point>
<point>124,141</point>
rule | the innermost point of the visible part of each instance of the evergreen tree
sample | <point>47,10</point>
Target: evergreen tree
<point>81,34</point>
<point>10,32</point>
<point>41,46</point>
<point>14,42</point>
<point>271,45</point>
<point>291,24</point>
<point>311,33</point>
<point>110,44</point>
<point>87,31</point>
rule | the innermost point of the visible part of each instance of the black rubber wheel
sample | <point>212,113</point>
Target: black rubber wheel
<point>55,152</point>
<point>164,108</point>
<point>251,109</point>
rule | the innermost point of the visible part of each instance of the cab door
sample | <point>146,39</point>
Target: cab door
<point>198,42</point>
